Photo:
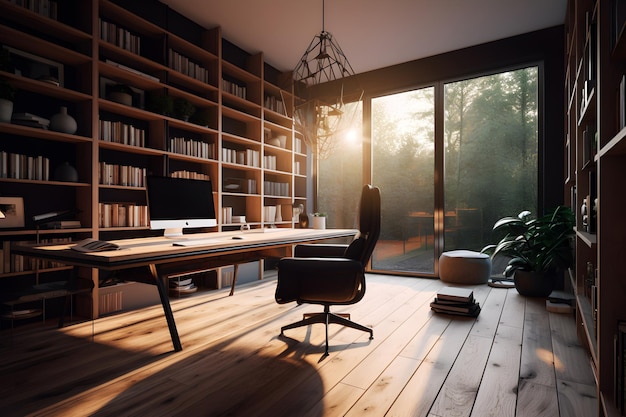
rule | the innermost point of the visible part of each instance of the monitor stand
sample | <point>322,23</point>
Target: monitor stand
<point>175,232</point>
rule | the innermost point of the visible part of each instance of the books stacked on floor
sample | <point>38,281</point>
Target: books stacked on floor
<point>182,286</point>
<point>456,300</point>
<point>28,119</point>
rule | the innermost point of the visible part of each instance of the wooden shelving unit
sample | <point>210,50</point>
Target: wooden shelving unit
<point>595,144</point>
<point>242,123</point>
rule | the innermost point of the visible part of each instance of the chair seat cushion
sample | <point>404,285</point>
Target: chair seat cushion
<point>464,267</point>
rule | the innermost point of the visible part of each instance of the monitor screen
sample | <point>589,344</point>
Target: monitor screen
<point>177,203</point>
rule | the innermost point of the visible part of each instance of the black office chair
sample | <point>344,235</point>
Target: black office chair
<point>331,274</point>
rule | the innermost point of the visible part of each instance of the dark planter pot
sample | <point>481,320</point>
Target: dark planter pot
<point>534,284</point>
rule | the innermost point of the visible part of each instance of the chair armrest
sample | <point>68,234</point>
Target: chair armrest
<point>317,250</point>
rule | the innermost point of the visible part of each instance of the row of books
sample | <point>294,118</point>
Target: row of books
<point>119,132</point>
<point>47,8</point>
<point>249,157</point>
<point>122,215</point>
<point>112,33</point>
<point>184,65</point>
<point>11,262</point>
<point>269,162</point>
<point>113,174</point>
<point>190,175</point>
<point>280,189</point>
<point>275,104</point>
<point>234,88</point>
<point>192,147</point>
<point>456,300</point>
<point>272,213</point>
<point>297,145</point>
<point>23,167</point>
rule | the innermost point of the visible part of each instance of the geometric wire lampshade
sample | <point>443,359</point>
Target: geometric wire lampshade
<point>319,116</point>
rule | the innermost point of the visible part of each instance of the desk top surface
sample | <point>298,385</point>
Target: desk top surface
<point>162,249</point>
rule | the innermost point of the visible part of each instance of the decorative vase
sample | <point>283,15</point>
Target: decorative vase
<point>66,172</point>
<point>279,214</point>
<point>63,122</point>
<point>303,218</point>
<point>533,284</point>
<point>319,222</point>
<point>6,110</point>
<point>282,141</point>
<point>273,142</point>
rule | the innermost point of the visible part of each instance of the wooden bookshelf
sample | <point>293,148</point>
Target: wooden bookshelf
<point>596,169</point>
<point>162,56</point>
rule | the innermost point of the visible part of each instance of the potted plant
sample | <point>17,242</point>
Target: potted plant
<point>120,93</point>
<point>537,248</point>
<point>160,103</point>
<point>7,94</point>
<point>201,118</point>
<point>183,109</point>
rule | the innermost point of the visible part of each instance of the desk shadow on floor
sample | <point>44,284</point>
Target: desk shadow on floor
<point>229,382</point>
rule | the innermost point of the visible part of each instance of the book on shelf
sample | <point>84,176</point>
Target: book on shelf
<point>62,224</point>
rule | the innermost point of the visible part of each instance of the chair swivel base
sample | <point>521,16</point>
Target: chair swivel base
<point>327,318</point>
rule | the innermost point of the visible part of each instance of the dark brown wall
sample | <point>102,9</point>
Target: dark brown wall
<point>544,46</point>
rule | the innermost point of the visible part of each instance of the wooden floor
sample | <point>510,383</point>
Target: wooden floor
<point>515,359</point>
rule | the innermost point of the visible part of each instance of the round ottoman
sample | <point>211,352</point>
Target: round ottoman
<point>464,267</point>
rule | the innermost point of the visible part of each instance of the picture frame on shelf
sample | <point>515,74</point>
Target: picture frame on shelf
<point>12,212</point>
<point>35,67</point>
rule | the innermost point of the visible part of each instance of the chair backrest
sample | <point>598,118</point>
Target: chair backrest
<point>369,221</point>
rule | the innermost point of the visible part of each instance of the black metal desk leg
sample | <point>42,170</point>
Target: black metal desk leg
<point>167,308</point>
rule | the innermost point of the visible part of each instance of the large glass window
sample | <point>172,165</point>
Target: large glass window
<point>490,144</point>
<point>403,167</point>
<point>487,146</point>
<point>340,171</point>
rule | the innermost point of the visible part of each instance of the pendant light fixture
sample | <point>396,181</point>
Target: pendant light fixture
<point>320,86</point>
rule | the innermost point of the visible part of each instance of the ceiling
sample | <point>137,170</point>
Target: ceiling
<point>372,33</point>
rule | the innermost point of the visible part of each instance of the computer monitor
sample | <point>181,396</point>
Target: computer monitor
<point>178,203</point>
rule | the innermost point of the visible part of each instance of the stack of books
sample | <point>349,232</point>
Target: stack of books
<point>28,119</point>
<point>456,300</point>
<point>180,287</point>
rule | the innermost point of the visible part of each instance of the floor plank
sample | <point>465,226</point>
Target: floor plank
<point>515,359</point>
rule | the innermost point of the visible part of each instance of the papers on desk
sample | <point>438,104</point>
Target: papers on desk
<point>93,245</point>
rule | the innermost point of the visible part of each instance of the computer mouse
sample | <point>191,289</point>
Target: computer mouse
<point>238,237</point>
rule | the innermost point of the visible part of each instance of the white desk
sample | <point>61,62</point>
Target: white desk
<point>162,257</point>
